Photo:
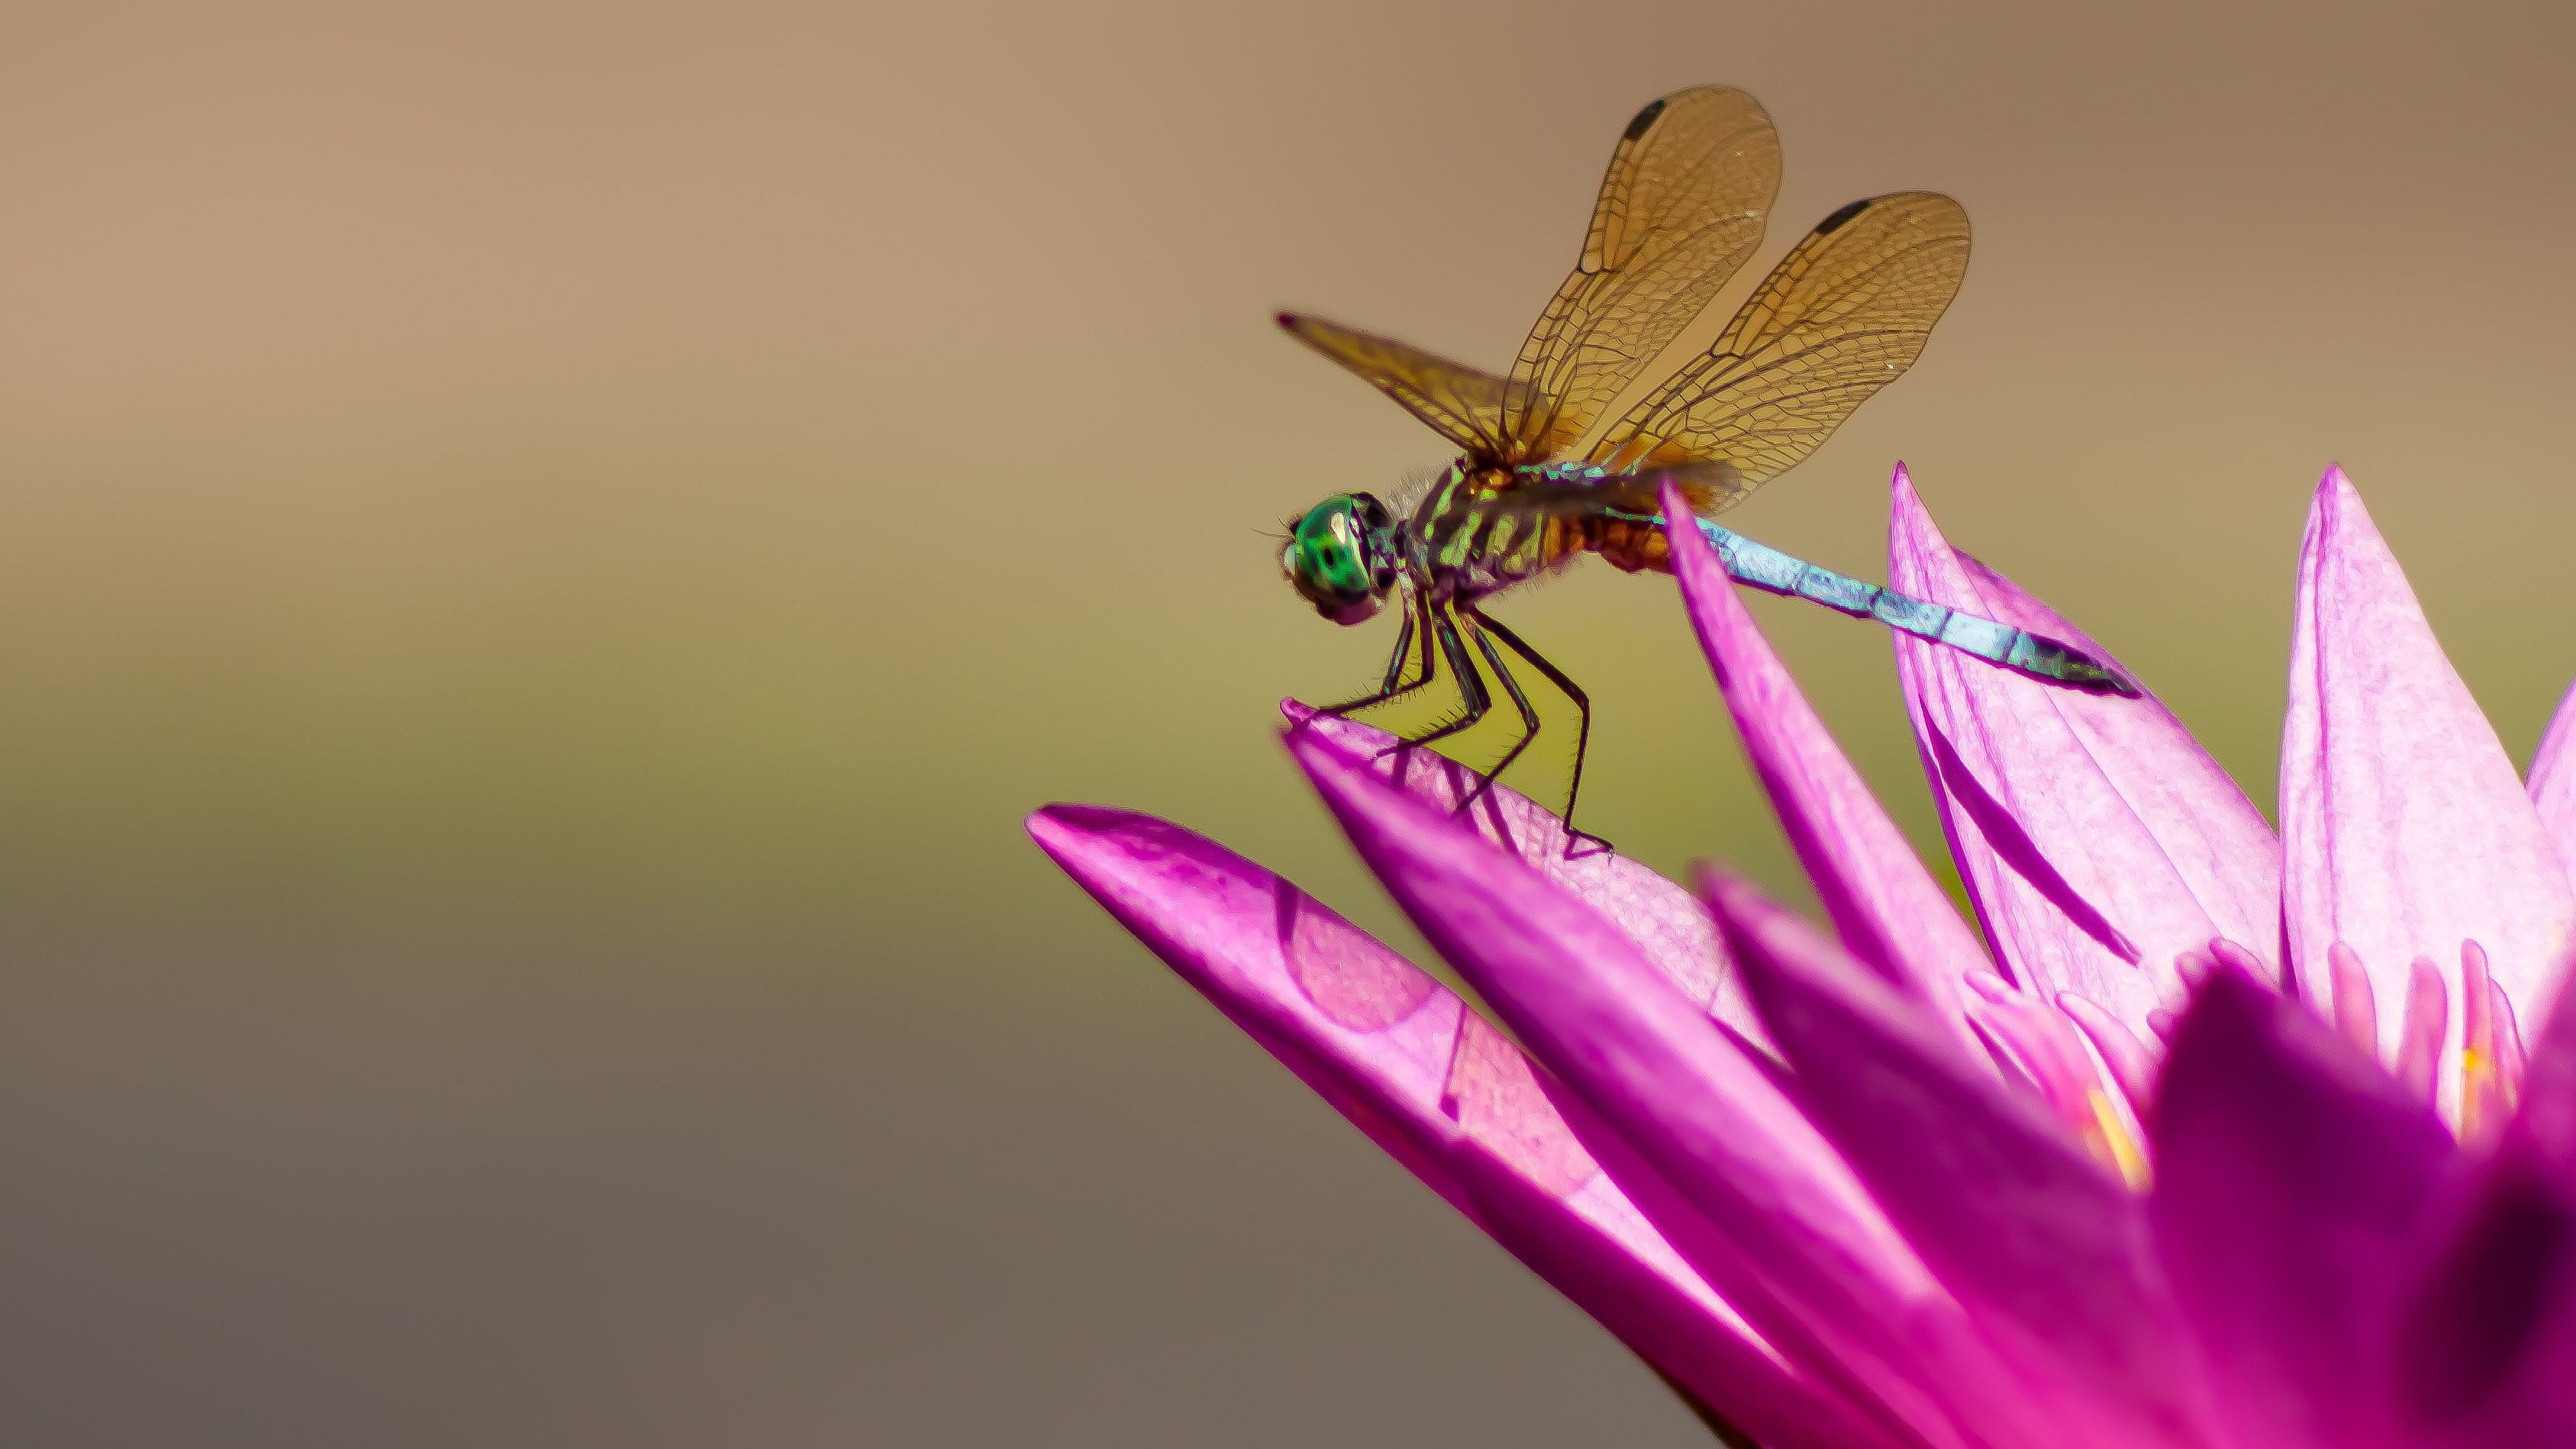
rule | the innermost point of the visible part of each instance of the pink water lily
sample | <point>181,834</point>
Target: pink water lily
<point>2230,1141</point>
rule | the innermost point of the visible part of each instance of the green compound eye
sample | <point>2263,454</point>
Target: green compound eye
<point>1337,569</point>
<point>1327,557</point>
<point>1327,552</point>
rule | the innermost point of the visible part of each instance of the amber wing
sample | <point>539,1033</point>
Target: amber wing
<point>1843,315</point>
<point>1461,404</point>
<point>1681,208</point>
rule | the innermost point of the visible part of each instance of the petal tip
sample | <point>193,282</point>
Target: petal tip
<point>1723,891</point>
<point>1343,777</point>
<point>1083,839</point>
<point>1910,530</point>
<point>2336,505</point>
<point>1062,825</point>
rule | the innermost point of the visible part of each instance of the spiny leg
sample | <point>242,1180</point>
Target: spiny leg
<point>1474,703</point>
<point>1582,714</point>
<point>1394,687</point>
<point>1471,685</point>
<point>1391,685</point>
<point>1441,638</point>
<point>1520,701</point>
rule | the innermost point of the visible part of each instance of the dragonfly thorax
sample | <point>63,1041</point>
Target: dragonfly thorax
<point>1343,557</point>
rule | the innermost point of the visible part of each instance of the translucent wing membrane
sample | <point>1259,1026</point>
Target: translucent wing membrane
<point>1682,207</point>
<point>1843,315</point>
<point>1461,404</point>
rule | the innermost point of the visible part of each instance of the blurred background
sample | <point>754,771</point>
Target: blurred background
<point>545,549</point>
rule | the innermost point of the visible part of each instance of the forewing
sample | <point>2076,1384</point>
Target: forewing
<point>1682,207</point>
<point>1461,404</point>
<point>1843,315</point>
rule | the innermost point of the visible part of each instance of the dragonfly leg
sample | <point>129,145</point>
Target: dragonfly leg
<point>1582,714</point>
<point>1520,701</point>
<point>1395,686</point>
<point>1471,685</point>
<point>1392,685</point>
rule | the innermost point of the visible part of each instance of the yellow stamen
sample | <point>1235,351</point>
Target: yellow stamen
<point>2113,1144</point>
<point>2481,1086</point>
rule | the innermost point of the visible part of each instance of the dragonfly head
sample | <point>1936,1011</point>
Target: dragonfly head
<point>1341,556</point>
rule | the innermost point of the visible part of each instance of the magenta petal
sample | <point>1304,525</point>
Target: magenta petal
<point>2290,1173</point>
<point>2404,829</point>
<point>1648,1063</point>
<point>1886,906</point>
<point>2047,1248</point>
<point>1444,1093</point>
<point>2553,778</point>
<point>1671,928</point>
<point>2488,1344</point>
<point>2098,839</point>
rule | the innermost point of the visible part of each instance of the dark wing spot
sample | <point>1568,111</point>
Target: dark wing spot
<point>1637,124</point>
<point>1834,223</point>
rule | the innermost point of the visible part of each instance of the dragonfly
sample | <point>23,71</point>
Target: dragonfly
<point>1547,472</point>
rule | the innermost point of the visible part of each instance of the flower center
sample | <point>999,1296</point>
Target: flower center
<point>2490,1066</point>
<point>2041,1048</point>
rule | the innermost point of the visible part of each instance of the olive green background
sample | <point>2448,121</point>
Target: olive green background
<point>546,547</point>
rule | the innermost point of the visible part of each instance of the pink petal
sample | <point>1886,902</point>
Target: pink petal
<point>2509,1059</point>
<point>2290,1174</point>
<point>1887,907</point>
<point>2356,1009</point>
<point>2545,1121</point>
<point>1665,922</point>
<point>2487,1349</point>
<point>1444,1093</point>
<point>2419,1038</point>
<point>2098,839</point>
<point>2043,1244</point>
<point>2404,829</point>
<point>1667,1080</point>
<point>2130,1062</point>
<point>2553,778</point>
<point>2046,1053</point>
<point>2486,1090</point>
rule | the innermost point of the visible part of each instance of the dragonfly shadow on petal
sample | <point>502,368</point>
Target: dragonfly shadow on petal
<point>1353,981</point>
<point>2015,848</point>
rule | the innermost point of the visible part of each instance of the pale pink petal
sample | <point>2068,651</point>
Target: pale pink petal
<point>2420,1035</point>
<point>2546,1116</point>
<point>2509,1056</point>
<point>2044,1244</point>
<point>1887,907</point>
<point>2553,778</point>
<point>2291,1175</point>
<point>2097,838</point>
<point>2356,1009</point>
<point>1671,928</point>
<point>1666,1079</point>
<point>2130,1061</point>
<point>2486,1091</point>
<point>2404,830</point>
<point>1444,1093</point>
